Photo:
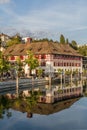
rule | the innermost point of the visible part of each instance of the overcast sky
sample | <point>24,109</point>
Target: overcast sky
<point>53,17</point>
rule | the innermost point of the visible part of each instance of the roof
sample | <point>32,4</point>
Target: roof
<point>41,48</point>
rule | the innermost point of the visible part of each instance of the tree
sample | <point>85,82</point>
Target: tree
<point>14,40</point>
<point>83,50</point>
<point>0,43</point>
<point>67,41</point>
<point>4,65</point>
<point>20,66</point>
<point>31,60</point>
<point>40,71</point>
<point>74,45</point>
<point>62,39</point>
<point>60,71</point>
<point>69,73</point>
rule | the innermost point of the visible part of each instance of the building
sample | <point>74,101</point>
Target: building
<point>26,39</point>
<point>52,56</point>
<point>4,38</point>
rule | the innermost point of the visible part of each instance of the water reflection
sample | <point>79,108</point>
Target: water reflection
<point>31,106</point>
<point>21,114</point>
<point>26,112</point>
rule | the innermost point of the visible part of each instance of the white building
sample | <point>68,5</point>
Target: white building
<point>51,56</point>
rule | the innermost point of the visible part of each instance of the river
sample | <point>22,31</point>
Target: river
<point>69,115</point>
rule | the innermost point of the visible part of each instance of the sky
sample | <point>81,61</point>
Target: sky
<point>45,18</point>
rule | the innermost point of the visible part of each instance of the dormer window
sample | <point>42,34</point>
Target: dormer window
<point>54,49</point>
<point>10,51</point>
<point>22,50</point>
<point>30,49</point>
<point>39,49</point>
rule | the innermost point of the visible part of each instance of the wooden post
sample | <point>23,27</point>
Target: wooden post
<point>49,81</point>
<point>61,81</point>
<point>71,78</point>
<point>17,84</point>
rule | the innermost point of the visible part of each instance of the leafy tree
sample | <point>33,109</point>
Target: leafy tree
<point>20,66</point>
<point>67,41</point>
<point>83,50</point>
<point>4,65</point>
<point>74,45</point>
<point>0,43</point>
<point>14,40</point>
<point>62,39</point>
<point>40,71</point>
<point>31,60</point>
<point>60,74</point>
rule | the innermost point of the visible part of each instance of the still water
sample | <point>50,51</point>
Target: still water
<point>71,117</point>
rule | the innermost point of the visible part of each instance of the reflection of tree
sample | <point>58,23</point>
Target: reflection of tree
<point>5,104</point>
<point>8,114</point>
<point>29,114</point>
<point>1,111</point>
<point>26,104</point>
<point>32,100</point>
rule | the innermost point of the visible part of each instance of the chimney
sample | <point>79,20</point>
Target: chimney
<point>29,40</point>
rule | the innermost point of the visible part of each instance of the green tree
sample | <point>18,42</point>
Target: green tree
<point>40,71</point>
<point>83,50</point>
<point>69,73</point>
<point>67,41</point>
<point>13,40</point>
<point>74,45</point>
<point>61,76</point>
<point>20,66</point>
<point>0,43</point>
<point>62,39</point>
<point>4,65</point>
<point>31,60</point>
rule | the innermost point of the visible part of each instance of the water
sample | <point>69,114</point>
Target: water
<point>69,117</point>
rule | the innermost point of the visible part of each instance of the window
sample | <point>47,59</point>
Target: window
<point>21,57</point>
<point>43,64</point>
<point>10,51</point>
<point>43,56</point>
<point>39,49</point>
<point>21,50</point>
<point>12,58</point>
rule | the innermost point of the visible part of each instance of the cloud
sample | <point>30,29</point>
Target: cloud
<point>54,17</point>
<point>4,1</point>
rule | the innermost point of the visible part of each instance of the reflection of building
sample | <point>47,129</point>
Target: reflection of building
<point>42,108</point>
<point>51,56</point>
<point>58,94</point>
<point>46,109</point>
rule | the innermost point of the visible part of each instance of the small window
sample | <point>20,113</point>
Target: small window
<point>22,50</point>
<point>30,49</point>
<point>54,49</point>
<point>39,49</point>
<point>10,51</point>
